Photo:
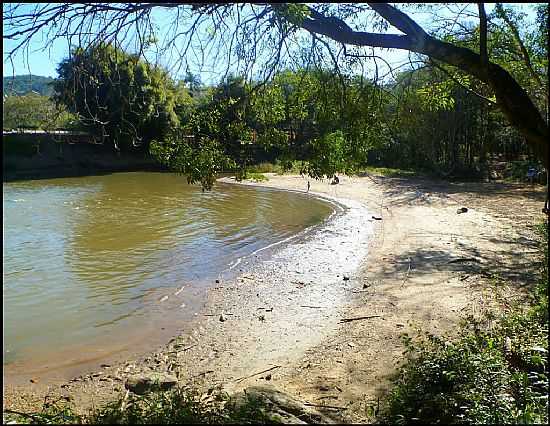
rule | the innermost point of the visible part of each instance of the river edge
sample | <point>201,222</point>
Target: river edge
<point>406,281</point>
<point>84,386</point>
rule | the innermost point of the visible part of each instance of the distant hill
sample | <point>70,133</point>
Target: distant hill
<point>23,84</point>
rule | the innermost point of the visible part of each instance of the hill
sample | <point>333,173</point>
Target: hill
<point>23,84</point>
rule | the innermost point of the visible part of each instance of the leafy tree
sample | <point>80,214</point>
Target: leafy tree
<point>117,94</point>
<point>35,112</point>
<point>249,34</point>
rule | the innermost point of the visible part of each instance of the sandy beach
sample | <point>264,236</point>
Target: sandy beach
<point>395,252</point>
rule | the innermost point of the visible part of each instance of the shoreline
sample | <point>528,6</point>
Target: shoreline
<point>81,358</point>
<point>405,279</point>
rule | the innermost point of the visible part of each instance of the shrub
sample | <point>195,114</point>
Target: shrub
<point>496,375</point>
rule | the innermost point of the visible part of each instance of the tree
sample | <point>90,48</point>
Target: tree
<point>117,94</point>
<point>35,112</point>
<point>272,26</point>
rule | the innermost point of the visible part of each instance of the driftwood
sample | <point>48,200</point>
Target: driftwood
<point>342,320</point>
<point>309,404</point>
<point>255,374</point>
<point>464,259</point>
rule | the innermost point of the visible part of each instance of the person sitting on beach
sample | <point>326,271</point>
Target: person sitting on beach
<point>335,180</point>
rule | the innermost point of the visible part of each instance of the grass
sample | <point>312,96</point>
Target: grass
<point>495,374</point>
<point>279,168</point>
<point>390,172</point>
<point>257,177</point>
<point>296,166</point>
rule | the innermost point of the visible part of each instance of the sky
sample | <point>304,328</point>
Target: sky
<point>43,62</point>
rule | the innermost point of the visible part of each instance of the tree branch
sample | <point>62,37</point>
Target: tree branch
<point>483,35</point>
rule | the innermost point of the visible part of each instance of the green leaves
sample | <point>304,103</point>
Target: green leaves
<point>116,93</point>
<point>295,13</point>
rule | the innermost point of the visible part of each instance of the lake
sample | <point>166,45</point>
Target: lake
<point>93,264</point>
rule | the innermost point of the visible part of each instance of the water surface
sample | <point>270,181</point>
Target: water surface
<point>90,260</point>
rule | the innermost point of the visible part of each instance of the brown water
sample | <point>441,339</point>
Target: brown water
<point>95,261</point>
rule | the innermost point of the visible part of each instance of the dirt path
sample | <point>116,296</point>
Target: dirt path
<point>427,266</point>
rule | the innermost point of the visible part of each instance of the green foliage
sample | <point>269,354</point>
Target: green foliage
<point>310,116</point>
<point>327,156</point>
<point>35,112</point>
<point>257,177</point>
<point>486,375</point>
<point>26,84</point>
<point>116,93</point>
<point>177,406</point>
<point>390,172</point>
<point>199,158</point>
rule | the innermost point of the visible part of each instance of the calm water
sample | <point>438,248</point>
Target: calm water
<point>88,259</point>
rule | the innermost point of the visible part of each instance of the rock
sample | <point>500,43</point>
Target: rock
<point>217,281</point>
<point>461,210</point>
<point>277,406</point>
<point>150,382</point>
<point>261,317</point>
<point>346,277</point>
<point>105,365</point>
<point>222,317</point>
<point>376,218</point>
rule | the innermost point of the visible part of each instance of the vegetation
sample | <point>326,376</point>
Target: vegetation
<point>26,84</point>
<point>488,374</point>
<point>34,111</point>
<point>117,94</point>
<point>177,406</point>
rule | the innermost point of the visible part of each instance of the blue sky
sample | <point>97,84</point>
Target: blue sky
<point>43,62</point>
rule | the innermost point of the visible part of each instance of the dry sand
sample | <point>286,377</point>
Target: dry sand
<point>426,267</point>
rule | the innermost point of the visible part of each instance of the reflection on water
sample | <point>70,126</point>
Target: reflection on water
<point>82,255</point>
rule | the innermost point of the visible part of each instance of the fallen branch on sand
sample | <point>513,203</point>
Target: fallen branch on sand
<point>255,374</point>
<point>309,404</point>
<point>359,318</point>
<point>464,259</point>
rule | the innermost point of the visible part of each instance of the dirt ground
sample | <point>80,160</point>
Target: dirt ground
<point>427,267</point>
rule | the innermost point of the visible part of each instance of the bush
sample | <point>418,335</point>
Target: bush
<point>177,406</point>
<point>496,375</point>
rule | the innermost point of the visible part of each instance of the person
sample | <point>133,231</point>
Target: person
<point>308,186</point>
<point>531,173</point>
<point>335,180</point>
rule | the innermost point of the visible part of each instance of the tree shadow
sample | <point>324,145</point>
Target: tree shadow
<point>417,190</point>
<point>511,260</point>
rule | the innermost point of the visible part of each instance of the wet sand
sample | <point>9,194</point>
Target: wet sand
<point>283,314</point>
